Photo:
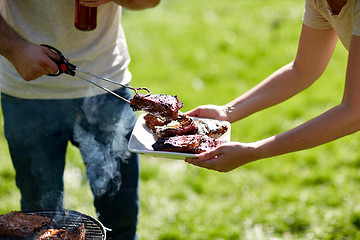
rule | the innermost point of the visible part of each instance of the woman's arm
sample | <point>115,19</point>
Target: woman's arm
<point>338,122</point>
<point>314,52</point>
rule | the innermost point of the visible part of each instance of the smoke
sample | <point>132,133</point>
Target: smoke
<point>103,153</point>
<point>101,168</point>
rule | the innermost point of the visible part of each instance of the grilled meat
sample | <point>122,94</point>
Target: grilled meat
<point>159,105</point>
<point>187,144</point>
<point>152,122</point>
<point>183,125</point>
<point>177,132</point>
<point>50,234</point>
<point>210,127</point>
<point>76,233</point>
<point>20,224</point>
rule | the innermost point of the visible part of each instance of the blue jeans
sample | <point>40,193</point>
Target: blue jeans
<point>38,132</point>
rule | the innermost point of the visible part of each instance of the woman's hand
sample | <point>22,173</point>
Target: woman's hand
<point>210,111</point>
<point>225,157</point>
<point>33,61</point>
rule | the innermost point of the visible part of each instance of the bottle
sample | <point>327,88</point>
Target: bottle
<point>85,17</point>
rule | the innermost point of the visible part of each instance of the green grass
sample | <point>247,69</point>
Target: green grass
<point>211,52</point>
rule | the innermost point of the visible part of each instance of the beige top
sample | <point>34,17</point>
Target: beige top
<point>318,15</point>
<point>102,51</point>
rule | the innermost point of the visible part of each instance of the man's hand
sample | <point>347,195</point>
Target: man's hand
<point>33,61</point>
<point>30,60</point>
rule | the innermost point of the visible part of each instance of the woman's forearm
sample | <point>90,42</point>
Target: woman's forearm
<point>314,52</point>
<point>338,122</point>
<point>278,87</point>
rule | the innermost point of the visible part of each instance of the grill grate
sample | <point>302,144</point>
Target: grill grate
<point>66,219</point>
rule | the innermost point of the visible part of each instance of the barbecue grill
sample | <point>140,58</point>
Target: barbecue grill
<point>68,219</point>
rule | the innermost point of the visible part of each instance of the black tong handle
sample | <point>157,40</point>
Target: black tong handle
<point>63,64</point>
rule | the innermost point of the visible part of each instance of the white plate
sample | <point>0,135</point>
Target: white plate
<point>142,139</point>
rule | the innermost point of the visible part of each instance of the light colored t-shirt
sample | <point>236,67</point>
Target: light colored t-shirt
<point>318,16</point>
<point>102,51</point>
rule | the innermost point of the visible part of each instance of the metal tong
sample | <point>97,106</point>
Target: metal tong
<point>68,68</point>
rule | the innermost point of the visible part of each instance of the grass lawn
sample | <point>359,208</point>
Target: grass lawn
<point>211,52</point>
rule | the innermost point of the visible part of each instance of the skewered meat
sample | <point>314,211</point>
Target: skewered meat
<point>18,224</point>
<point>187,144</point>
<point>159,105</point>
<point>76,233</point>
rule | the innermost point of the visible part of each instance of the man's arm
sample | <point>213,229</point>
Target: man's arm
<point>30,60</point>
<point>9,39</point>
